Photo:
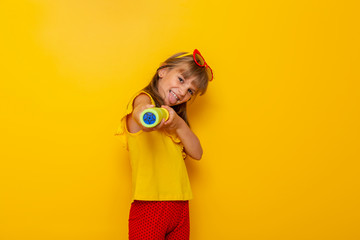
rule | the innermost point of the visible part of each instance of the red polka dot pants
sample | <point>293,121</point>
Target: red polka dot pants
<point>159,220</point>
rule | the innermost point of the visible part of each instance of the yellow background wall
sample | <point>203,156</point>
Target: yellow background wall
<point>279,124</point>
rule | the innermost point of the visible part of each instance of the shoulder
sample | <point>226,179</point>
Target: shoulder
<point>142,98</point>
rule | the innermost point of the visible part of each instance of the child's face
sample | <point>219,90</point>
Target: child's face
<point>174,89</point>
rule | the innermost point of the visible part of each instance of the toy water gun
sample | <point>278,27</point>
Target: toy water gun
<point>151,117</point>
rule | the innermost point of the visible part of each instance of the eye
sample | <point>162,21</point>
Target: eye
<point>191,92</point>
<point>181,80</point>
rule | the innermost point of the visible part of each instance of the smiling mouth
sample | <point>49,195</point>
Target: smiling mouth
<point>175,95</point>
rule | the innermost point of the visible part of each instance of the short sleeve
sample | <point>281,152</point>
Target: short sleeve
<point>121,131</point>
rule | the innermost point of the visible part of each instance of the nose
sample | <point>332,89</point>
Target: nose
<point>182,91</point>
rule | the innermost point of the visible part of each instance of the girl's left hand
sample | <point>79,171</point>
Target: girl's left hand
<point>174,121</point>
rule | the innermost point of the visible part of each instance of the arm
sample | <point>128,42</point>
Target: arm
<point>187,136</point>
<point>141,103</point>
<point>190,141</point>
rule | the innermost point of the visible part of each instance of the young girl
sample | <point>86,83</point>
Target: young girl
<point>160,184</point>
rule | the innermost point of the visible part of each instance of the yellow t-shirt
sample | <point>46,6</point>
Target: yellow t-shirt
<point>158,168</point>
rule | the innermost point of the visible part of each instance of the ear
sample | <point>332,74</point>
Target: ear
<point>162,72</point>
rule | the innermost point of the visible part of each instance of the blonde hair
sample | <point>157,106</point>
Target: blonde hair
<point>189,68</point>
